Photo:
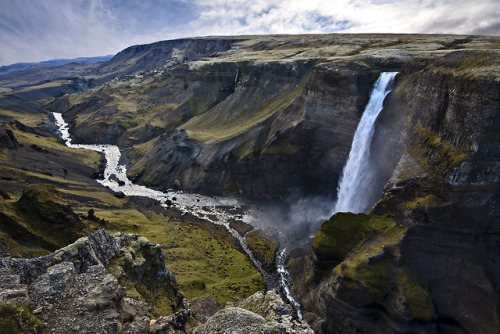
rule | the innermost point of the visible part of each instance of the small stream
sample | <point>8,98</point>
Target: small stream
<point>213,209</point>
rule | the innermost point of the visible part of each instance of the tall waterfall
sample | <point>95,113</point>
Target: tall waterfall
<point>357,176</point>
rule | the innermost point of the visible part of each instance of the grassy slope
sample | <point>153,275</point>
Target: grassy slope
<point>204,258</point>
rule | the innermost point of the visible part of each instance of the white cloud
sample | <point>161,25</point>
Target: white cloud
<point>389,16</point>
<point>32,30</point>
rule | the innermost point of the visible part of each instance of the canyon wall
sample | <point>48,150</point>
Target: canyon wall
<point>424,258</point>
<point>274,118</point>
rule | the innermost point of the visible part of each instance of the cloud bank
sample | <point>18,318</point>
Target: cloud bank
<point>33,30</point>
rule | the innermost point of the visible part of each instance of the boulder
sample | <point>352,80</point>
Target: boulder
<point>74,292</point>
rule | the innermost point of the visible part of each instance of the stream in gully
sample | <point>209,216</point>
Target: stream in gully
<point>213,209</point>
<point>356,176</point>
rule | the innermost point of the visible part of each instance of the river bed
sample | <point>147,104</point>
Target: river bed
<point>217,210</point>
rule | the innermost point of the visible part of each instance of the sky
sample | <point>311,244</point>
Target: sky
<point>37,30</point>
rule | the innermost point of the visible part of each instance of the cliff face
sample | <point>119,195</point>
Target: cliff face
<point>262,117</point>
<point>294,136</point>
<point>424,258</point>
<point>271,117</point>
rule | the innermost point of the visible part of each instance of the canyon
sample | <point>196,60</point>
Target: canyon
<point>268,121</point>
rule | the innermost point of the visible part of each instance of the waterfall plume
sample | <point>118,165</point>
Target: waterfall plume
<point>357,176</point>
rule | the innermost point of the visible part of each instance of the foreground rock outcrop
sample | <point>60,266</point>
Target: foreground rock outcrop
<point>72,291</point>
<point>259,313</point>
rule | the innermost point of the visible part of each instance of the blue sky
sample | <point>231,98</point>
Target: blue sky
<point>35,30</point>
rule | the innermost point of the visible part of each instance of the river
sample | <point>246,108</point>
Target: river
<point>210,208</point>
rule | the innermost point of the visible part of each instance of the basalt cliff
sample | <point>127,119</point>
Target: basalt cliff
<point>424,258</point>
<point>270,119</point>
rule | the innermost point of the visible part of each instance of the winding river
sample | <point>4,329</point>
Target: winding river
<point>213,209</point>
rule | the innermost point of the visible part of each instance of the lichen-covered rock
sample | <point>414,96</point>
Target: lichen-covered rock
<point>12,291</point>
<point>274,309</point>
<point>94,303</point>
<point>205,307</point>
<point>73,291</point>
<point>141,268</point>
<point>53,284</point>
<point>97,248</point>
<point>259,313</point>
<point>269,305</point>
<point>239,320</point>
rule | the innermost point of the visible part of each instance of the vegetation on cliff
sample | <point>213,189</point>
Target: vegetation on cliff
<point>15,318</point>
<point>434,148</point>
<point>273,117</point>
<point>264,248</point>
<point>204,258</point>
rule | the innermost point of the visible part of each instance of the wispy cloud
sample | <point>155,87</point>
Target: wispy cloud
<point>32,30</point>
<point>385,16</point>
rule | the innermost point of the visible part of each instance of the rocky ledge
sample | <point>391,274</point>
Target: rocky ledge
<point>72,291</point>
<point>118,283</point>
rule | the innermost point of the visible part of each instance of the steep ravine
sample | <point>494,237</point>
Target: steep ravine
<point>275,120</point>
<point>424,258</point>
<point>248,115</point>
<point>284,129</point>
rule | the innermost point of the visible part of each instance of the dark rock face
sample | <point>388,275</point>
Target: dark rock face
<point>298,148</point>
<point>157,55</point>
<point>435,152</point>
<point>73,291</point>
<point>7,139</point>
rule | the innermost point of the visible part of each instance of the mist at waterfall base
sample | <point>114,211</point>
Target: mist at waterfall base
<point>296,222</point>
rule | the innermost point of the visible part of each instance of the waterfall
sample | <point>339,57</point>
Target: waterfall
<point>357,176</point>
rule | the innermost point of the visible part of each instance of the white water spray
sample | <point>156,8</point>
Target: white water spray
<point>357,176</point>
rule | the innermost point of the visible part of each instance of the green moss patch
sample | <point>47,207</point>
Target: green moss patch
<point>203,257</point>
<point>15,318</point>
<point>417,299</point>
<point>264,248</point>
<point>359,246</point>
<point>435,155</point>
<point>234,116</point>
<point>241,227</point>
<point>362,244</point>
<point>429,200</point>
<point>340,234</point>
<point>137,269</point>
<point>354,245</point>
<point>48,213</point>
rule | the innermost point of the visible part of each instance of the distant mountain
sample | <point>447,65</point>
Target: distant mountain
<point>54,62</point>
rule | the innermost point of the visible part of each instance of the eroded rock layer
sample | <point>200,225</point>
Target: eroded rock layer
<point>424,258</point>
